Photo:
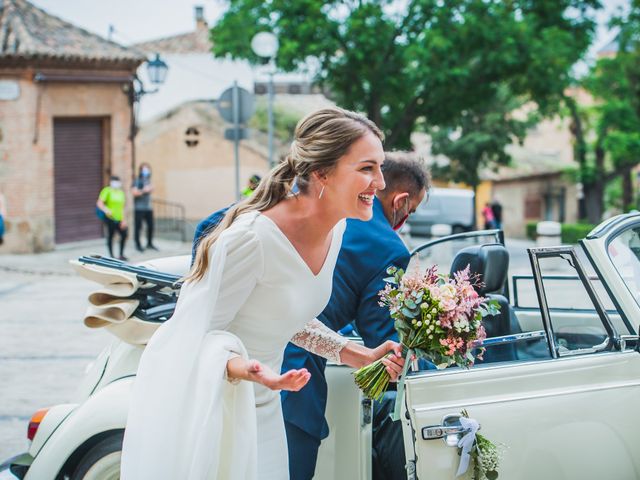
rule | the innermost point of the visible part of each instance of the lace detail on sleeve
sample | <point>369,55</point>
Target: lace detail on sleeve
<point>317,338</point>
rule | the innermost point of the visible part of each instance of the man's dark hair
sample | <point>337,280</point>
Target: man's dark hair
<point>405,171</point>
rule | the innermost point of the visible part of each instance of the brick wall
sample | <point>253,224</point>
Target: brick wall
<point>26,150</point>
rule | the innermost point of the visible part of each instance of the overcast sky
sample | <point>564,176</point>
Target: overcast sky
<point>140,20</point>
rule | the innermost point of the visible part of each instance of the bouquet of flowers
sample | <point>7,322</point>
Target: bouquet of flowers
<point>437,317</point>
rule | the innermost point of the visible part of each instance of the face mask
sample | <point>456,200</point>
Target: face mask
<point>145,172</point>
<point>398,224</point>
<point>115,184</point>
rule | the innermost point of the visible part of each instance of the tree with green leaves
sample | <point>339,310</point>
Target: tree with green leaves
<point>480,135</point>
<point>426,61</point>
<point>614,121</point>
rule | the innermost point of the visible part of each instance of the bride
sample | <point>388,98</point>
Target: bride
<point>205,403</point>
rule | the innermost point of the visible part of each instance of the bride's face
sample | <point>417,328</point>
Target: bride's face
<point>351,186</point>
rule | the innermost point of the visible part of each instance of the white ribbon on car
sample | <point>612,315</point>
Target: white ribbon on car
<point>470,426</point>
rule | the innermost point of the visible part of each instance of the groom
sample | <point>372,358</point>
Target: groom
<point>368,249</point>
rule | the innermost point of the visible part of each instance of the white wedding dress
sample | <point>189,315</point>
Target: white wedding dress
<point>185,420</point>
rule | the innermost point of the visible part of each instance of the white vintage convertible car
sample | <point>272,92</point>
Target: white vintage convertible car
<point>559,387</point>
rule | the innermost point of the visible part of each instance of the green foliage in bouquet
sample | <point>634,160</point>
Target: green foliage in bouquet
<point>437,317</point>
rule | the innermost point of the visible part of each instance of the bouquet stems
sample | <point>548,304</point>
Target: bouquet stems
<point>373,379</point>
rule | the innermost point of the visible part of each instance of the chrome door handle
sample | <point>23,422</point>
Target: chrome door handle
<point>450,430</point>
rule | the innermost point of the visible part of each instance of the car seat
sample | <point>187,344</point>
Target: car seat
<point>491,263</point>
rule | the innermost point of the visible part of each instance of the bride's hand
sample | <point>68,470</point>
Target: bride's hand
<point>394,362</point>
<point>292,380</point>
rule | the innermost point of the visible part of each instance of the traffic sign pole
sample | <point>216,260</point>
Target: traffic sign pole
<point>236,140</point>
<point>236,106</point>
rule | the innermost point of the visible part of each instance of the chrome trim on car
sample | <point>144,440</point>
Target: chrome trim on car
<point>422,374</point>
<point>513,338</point>
<point>611,224</point>
<point>579,351</point>
<point>517,398</point>
<point>498,234</point>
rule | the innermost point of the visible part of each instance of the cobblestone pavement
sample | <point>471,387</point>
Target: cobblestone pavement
<point>44,346</point>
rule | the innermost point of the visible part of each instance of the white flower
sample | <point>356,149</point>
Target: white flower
<point>462,322</point>
<point>419,323</point>
<point>447,291</point>
<point>424,305</point>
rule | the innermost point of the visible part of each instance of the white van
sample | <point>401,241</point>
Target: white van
<point>450,206</point>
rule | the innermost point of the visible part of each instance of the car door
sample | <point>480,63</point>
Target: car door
<point>571,415</point>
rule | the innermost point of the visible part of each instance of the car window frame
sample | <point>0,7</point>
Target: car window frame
<point>613,337</point>
<point>610,240</point>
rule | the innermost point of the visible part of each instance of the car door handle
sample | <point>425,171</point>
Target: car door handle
<point>450,430</point>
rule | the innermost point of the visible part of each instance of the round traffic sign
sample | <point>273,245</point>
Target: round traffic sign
<point>245,105</point>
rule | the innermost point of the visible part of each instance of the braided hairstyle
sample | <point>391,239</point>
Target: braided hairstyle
<point>320,140</point>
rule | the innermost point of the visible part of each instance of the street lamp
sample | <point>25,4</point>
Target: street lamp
<point>265,45</point>
<point>157,72</point>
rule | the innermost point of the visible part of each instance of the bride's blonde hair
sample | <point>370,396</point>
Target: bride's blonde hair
<point>320,140</point>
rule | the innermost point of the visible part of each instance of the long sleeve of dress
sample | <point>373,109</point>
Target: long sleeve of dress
<point>176,423</point>
<point>317,338</point>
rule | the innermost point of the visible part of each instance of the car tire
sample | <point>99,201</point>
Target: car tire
<point>102,461</point>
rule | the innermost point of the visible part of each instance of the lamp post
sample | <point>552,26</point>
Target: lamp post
<point>265,45</point>
<point>157,70</point>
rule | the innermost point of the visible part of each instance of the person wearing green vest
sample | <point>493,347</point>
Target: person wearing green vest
<point>111,202</point>
<point>254,181</point>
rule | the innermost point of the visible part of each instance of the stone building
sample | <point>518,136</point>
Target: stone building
<point>193,164</point>
<point>182,134</point>
<point>65,123</point>
<point>535,187</point>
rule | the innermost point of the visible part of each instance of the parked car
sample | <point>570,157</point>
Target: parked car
<point>559,386</point>
<point>448,206</point>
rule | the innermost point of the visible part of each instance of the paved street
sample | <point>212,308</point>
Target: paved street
<point>44,346</point>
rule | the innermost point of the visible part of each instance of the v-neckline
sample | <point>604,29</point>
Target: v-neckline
<point>295,250</point>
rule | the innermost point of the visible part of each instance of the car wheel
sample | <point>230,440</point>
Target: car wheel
<point>102,461</point>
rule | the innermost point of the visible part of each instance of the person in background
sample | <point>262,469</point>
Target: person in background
<point>3,214</point>
<point>143,209</point>
<point>496,209</point>
<point>254,181</point>
<point>487,215</point>
<point>111,202</point>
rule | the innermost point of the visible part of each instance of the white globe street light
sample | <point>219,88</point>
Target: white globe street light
<point>265,45</point>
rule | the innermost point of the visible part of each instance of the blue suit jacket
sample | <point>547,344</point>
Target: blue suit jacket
<point>368,249</point>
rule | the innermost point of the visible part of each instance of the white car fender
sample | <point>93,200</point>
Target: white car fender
<point>102,412</point>
<point>54,417</point>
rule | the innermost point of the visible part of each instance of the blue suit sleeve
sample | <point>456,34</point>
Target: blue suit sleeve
<point>373,322</point>
<point>204,227</point>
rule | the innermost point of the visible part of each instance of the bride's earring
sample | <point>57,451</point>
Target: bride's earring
<point>321,192</point>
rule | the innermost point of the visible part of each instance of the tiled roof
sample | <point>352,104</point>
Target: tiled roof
<point>192,42</point>
<point>27,32</point>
